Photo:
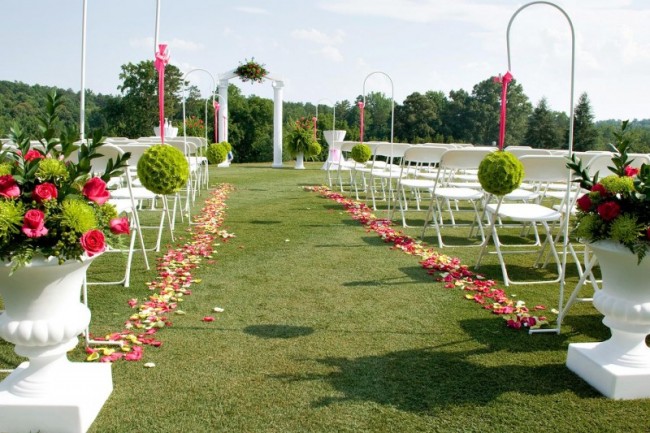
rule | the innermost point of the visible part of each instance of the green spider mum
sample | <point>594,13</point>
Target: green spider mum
<point>625,229</point>
<point>50,170</point>
<point>78,216</point>
<point>11,218</point>
<point>618,184</point>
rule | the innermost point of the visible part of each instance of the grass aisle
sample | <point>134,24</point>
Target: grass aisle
<point>326,329</point>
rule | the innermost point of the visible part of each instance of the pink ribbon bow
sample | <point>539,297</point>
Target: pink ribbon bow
<point>162,59</point>
<point>215,104</point>
<point>507,78</point>
<point>361,107</point>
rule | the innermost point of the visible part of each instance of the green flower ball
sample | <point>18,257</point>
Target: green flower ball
<point>314,149</point>
<point>163,169</point>
<point>227,145</point>
<point>216,153</point>
<point>361,153</point>
<point>500,173</point>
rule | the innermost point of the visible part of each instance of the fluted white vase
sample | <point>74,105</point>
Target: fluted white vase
<point>43,318</point>
<point>619,367</point>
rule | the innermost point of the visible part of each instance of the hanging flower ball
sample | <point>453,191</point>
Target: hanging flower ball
<point>227,145</point>
<point>314,149</point>
<point>217,153</point>
<point>163,169</point>
<point>361,153</point>
<point>500,173</point>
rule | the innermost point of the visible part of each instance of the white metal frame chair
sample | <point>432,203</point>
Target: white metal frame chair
<point>420,165</point>
<point>386,167</point>
<point>447,190</point>
<point>540,169</point>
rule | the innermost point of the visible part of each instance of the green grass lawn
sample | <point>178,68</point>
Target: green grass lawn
<point>327,329</point>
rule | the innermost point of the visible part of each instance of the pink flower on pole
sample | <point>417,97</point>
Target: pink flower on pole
<point>8,186</point>
<point>95,190</point>
<point>34,224</point>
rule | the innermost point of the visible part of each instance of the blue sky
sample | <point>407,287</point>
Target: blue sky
<point>324,49</point>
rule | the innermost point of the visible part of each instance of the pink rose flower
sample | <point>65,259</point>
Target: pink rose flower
<point>93,242</point>
<point>45,191</point>
<point>631,171</point>
<point>8,186</point>
<point>95,190</point>
<point>34,224</point>
<point>608,210</point>
<point>33,154</point>
<point>584,203</point>
<point>120,226</point>
<point>599,188</point>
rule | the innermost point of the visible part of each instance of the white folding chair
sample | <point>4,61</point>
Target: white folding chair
<point>537,169</point>
<point>418,174</point>
<point>384,169</point>
<point>448,189</point>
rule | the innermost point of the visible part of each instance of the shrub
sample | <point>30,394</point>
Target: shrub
<point>361,153</point>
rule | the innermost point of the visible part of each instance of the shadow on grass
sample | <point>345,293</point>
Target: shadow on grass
<point>278,331</point>
<point>265,222</point>
<point>430,380</point>
<point>411,275</point>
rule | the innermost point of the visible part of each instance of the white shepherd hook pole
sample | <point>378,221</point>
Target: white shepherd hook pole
<point>157,31</point>
<point>567,201</point>
<point>392,122</point>
<point>82,102</point>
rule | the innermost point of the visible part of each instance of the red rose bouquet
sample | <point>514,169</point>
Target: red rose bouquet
<point>50,205</point>
<point>616,207</point>
<point>251,71</point>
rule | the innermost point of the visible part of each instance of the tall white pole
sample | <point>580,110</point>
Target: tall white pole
<point>157,31</point>
<point>82,102</point>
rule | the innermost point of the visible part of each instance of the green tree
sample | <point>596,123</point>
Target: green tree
<point>543,131</point>
<point>140,102</point>
<point>585,135</point>
<point>418,119</point>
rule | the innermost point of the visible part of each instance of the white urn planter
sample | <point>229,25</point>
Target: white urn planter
<point>620,367</point>
<point>170,131</point>
<point>43,318</point>
<point>300,156</point>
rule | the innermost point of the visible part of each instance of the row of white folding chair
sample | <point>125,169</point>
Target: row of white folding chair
<point>383,171</point>
<point>448,190</point>
<point>341,163</point>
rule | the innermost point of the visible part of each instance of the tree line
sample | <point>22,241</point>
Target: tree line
<point>433,116</point>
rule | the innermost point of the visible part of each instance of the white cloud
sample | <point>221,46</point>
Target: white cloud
<point>331,53</point>
<point>313,35</point>
<point>252,10</point>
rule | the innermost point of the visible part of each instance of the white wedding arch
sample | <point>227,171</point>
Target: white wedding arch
<point>278,85</point>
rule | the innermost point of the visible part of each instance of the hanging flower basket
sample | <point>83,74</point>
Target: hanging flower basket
<point>500,173</point>
<point>251,71</point>
<point>163,169</point>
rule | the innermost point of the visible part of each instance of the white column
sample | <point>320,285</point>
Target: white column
<point>277,124</point>
<point>223,110</point>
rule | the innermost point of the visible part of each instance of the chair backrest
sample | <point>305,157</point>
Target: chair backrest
<point>424,155</point>
<point>545,168</point>
<point>521,151</point>
<point>391,150</point>
<point>466,158</point>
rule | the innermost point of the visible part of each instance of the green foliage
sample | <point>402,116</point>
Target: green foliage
<point>194,127</point>
<point>361,153</point>
<point>227,145</point>
<point>543,129</point>
<point>163,169</point>
<point>217,153</point>
<point>300,137</point>
<point>500,173</point>
<point>585,134</point>
<point>314,149</point>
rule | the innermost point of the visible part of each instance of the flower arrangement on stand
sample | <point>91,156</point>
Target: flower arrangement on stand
<point>50,206</point>
<point>54,219</point>
<point>301,142</point>
<point>616,207</point>
<point>252,71</point>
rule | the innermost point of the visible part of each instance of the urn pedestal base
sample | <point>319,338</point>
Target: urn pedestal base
<point>77,395</point>
<point>615,381</point>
